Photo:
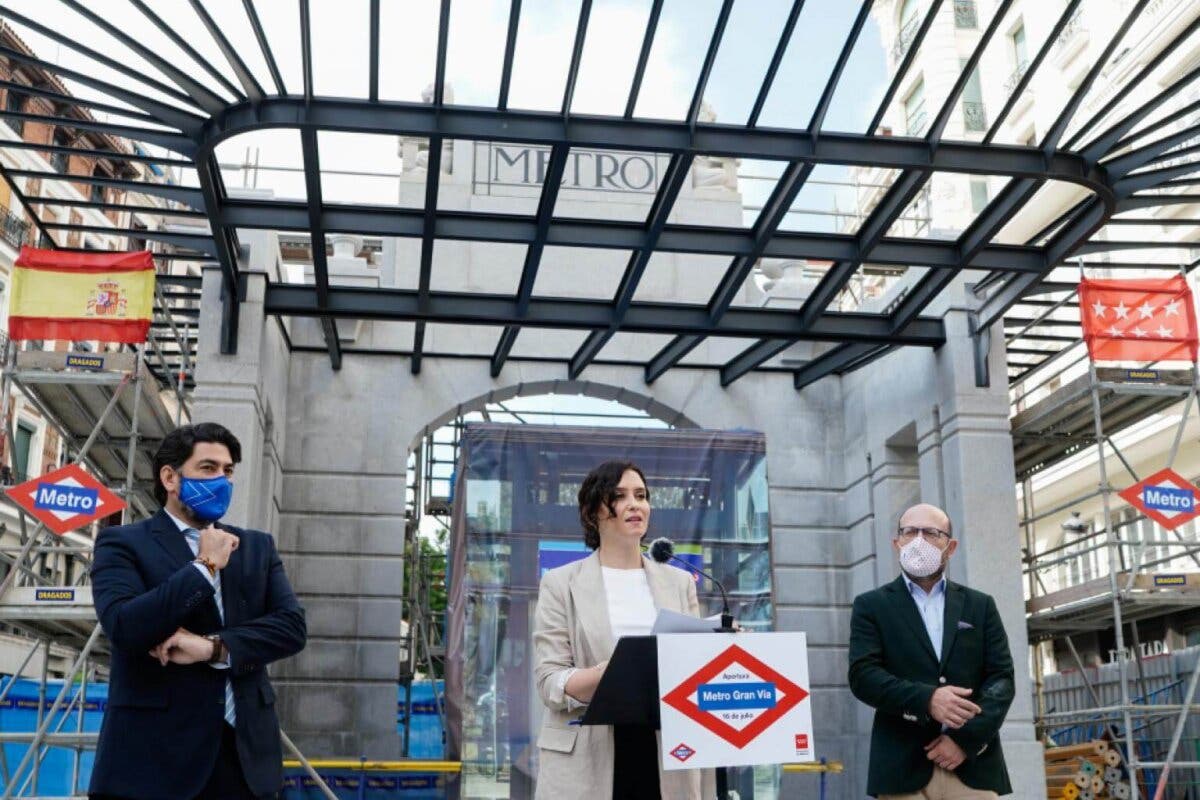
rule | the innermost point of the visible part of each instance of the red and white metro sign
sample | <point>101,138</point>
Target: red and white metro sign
<point>1166,497</point>
<point>734,700</point>
<point>66,499</point>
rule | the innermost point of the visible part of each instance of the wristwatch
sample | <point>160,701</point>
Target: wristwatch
<point>219,650</point>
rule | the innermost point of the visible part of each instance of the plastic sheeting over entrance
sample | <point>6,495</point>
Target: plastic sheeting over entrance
<point>516,515</point>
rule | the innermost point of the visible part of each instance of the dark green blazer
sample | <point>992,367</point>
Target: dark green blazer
<point>894,670</point>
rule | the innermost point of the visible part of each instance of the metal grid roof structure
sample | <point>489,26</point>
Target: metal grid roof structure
<point>179,110</point>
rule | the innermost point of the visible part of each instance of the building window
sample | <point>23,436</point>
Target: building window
<point>1020,59</point>
<point>22,443</point>
<point>59,160</point>
<point>907,30</point>
<point>965,15</point>
<point>979,194</point>
<point>915,118</point>
<point>15,101</point>
<point>974,117</point>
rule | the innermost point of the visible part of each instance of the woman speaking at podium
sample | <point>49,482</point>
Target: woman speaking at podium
<point>583,608</point>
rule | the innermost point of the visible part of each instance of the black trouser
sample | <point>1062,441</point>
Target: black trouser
<point>635,763</point>
<point>226,782</point>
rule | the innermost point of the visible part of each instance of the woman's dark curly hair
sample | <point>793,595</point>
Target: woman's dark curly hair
<point>600,489</point>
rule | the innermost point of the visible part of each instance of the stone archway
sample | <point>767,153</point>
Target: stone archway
<point>600,391</point>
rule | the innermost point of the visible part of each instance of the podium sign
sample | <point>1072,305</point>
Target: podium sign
<point>730,700</point>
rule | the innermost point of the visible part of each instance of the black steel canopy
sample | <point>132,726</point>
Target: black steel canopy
<point>1128,161</point>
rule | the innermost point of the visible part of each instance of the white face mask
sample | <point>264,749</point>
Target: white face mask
<point>920,559</point>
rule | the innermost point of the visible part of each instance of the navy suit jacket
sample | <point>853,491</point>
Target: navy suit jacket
<point>162,731</point>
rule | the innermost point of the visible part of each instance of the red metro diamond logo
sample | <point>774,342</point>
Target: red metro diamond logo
<point>1166,497</point>
<point>683,752</point>
<point>736,696</point>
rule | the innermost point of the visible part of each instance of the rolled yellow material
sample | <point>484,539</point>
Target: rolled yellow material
<point>1070,792</point>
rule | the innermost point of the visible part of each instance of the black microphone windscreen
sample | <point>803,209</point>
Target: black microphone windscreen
<point>661,550</point>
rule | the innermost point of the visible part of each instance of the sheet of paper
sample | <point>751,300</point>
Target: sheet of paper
<point>669,621</point>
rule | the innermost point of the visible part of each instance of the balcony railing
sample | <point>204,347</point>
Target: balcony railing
<point>905,38</point>
<point>974,116</point>
<point>14,231</point>
<point>917,124</point>
<point>965,15</point>
<point>1010,85</point>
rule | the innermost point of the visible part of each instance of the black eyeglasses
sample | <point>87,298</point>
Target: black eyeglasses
<point>932,534</point>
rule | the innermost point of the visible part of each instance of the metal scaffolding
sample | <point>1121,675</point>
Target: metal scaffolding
<point>1105,400</point>
<point>110,417</point>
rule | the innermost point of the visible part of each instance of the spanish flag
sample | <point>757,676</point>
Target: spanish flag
<point>107,297</point>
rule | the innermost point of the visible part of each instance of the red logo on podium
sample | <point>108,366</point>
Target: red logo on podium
<point>683,752</point>
<point>736,696</point>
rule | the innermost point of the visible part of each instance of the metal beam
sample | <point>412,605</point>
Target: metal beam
<point>533,254</point>
<point>213,188</point>
<point>642,135</point>
<point>179,194</point>
<point>349,302</point>
<point>433,176</point>
<point>902,68</point>
<point>785,38</point>
<point>78,102</point>
<point>250,84</point>
<point>1149,67</point>
<point>1031,70</point>
<point>165,139</point>
<point>182,43</point>
<point>372,54</point>
<point>620,235</point>
<point>265,46</point>
<point>769,219</point>
<point>677,172</point>
<point>639,72</point>
<point>142,158</point>
<point>312,185</point>
<point>56,35</point>
<point>510,51</point>
<point>199,94</point>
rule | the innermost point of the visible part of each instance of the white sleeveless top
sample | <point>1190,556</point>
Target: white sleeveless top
<point>631,610</point>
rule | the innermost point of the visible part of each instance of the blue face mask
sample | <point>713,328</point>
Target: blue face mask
<point>207,498</point>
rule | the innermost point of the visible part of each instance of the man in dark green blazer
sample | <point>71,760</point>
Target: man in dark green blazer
<point>931,657</point>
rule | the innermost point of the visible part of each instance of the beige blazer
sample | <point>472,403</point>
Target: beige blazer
<point>572,629</point>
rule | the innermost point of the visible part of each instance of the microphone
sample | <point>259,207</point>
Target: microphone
<point>662,550</point>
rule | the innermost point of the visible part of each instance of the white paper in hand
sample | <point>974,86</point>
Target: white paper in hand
<point>669,621</point>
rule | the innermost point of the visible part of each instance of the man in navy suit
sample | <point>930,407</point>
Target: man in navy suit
<point>194,613</point>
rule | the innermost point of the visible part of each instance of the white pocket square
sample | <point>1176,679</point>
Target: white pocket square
<point>965,626</point>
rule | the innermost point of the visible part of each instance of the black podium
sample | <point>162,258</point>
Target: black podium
<point>627,699</point>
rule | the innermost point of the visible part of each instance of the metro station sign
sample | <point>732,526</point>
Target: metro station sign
<point>734,700</point>
<point>1166,497</point>
<point>66,499</point>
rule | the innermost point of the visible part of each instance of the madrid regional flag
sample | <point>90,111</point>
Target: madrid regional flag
<point>1138,319</point>
<point>108,297</point>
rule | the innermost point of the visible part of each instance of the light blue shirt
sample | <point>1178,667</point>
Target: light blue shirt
<point>192,536</point>
<point>932,608</point>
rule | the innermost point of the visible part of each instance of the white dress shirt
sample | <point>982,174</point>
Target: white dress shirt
<point>932,607</point>
<point>192,537</point>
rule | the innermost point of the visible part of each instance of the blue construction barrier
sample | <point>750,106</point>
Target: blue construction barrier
<point>19,714</point>
<point>425,736</point>
<point>353,785</point>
